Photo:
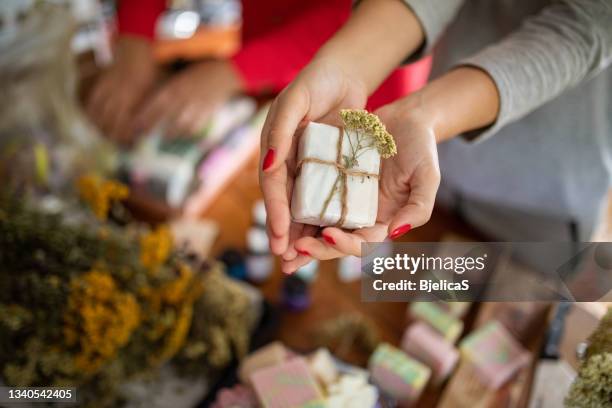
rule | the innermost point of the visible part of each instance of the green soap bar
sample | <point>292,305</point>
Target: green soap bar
<point>447,325</point>
<point>411,371</point>
<point>456,309</point>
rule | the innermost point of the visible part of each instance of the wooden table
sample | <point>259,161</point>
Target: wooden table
<point>330,298</point>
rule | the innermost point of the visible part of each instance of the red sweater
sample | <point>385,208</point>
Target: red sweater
<point>279,37</point>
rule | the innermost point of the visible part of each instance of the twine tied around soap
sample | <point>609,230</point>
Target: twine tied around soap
<point>344,171</point>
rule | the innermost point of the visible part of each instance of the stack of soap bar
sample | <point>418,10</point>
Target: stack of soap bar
<point>426,345</point>
<point>317,193</point>
<point>271,354</point>
<point>323,367</point>
<point>431,313</point>
<point>494,353</point>
<point>397,374</point>
<point>351,391</point>
<point>287,385</point>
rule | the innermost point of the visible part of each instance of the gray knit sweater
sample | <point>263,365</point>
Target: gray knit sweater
<point>549,152</point>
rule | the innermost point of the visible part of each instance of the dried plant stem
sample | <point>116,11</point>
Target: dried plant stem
<point>349,162</point>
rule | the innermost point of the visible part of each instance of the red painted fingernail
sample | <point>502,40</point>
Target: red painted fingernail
<point>399,231</point>
<point>329,240</point>
<point>268,159</point>
<point>302,252</point>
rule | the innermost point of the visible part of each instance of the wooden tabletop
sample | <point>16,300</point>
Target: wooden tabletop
<point>331,298</point>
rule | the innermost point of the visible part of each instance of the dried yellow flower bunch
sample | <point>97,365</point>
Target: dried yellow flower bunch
<point>370,124</point>
<point>100,319</point>
<point>99,193</point>
<point>155,247</point>
<point>179,295</point>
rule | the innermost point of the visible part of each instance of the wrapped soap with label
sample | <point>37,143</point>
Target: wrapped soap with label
<point>338,170</point>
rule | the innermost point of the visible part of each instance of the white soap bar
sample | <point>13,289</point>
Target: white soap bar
<point>323,367</point>
<point>316,180</point>
<point>352,391</point>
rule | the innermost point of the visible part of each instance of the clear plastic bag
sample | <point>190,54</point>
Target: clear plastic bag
<point>45,140</point>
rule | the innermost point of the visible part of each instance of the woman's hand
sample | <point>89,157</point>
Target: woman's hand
<point>121,87</point>
<point>316,94</point>
<point>407,189</point>
<point>184,104</point>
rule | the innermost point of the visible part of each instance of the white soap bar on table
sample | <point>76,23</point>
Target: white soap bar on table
<point>316,180</point>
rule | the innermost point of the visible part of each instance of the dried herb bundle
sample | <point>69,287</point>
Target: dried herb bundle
<point>91,304</point>
<point>593,385</point>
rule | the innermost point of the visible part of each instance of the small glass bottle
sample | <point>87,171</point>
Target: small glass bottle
<point>259,261</point>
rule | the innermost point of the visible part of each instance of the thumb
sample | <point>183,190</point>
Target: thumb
<point>287,113</point>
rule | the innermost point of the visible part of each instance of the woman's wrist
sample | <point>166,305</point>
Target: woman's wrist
<point>379,35</point>
<point>462,100</point>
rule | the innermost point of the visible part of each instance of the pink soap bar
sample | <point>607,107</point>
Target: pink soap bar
<point>268,355</point>
<point>287,385</point>
<point>426,345</point>
<point>237,396</point>
<point>494,353</point>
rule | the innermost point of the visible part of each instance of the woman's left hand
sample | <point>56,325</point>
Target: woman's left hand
<point>407,190</point>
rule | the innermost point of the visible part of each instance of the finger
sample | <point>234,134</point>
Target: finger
<point>277,187</point>
<point>291,108</point>
<point>296,231</point>
<point>423,188</point>
<point>154,111</point>
<point>350,242</point>
<point>317,248</point>
<point>332,117</point>
<point>120,129</point>
<point>107,115</point>
<point>96,99</point>
<point>263,140</point>
<point>289,267</point>
<point>277,208</point>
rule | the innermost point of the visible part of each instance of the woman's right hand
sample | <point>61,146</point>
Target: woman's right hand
<point>317,94</point>
<point>111,102</point>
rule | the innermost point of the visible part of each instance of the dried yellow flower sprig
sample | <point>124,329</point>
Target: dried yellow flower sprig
<point>99,193</point>
<point>155,247</point>
<point>370,124</point>
<point>100,319</point>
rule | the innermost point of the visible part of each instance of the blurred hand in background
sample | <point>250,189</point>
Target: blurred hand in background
<point>184,103</point>
<point>121,87</point>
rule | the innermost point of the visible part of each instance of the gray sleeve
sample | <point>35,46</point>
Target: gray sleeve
<point>567,42</point>
<point>434,16</point>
